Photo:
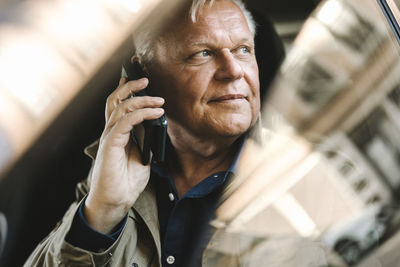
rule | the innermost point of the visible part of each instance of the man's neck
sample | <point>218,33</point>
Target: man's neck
<point>193,159</point>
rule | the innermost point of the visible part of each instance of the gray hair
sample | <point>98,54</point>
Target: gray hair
<point>144,40</point>
<point>197,5</point>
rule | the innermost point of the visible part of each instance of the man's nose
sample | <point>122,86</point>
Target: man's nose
<point>229,67</point>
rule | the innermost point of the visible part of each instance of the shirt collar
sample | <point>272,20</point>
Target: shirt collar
<point>162,171</point>
<point>233,167</point>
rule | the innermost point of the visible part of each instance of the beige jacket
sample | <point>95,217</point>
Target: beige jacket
<point>139,243</point>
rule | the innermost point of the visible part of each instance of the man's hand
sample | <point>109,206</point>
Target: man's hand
<point>118,175</point>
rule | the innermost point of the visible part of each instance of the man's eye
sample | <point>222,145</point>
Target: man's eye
<point>244,50</point>
<point>201,56</point>
<point>204,53</point>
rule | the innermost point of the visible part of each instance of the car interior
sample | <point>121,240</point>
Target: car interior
<point>38,188</point>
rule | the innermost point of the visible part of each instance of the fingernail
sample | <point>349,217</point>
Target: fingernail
<point>159,110</point>
<point>144,80</point>
<point>158,99</point>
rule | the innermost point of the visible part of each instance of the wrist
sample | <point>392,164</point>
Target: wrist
<point>102,217</point>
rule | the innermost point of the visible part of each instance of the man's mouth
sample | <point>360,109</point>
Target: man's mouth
<point>228,97</point>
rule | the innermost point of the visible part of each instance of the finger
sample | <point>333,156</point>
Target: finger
<point>133,104</point>
<point>123,91</point>
<point>120,132</point>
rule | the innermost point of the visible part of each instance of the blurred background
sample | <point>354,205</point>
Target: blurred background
<point>329,169</point>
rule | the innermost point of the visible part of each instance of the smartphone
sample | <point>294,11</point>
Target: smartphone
<point>390,9</point>
<point>152,134</point>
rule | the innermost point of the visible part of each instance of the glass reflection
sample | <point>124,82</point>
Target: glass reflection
<point>320,185</point>
<point>324,179</point>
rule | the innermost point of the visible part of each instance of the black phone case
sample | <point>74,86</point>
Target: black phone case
<point>155,131</point>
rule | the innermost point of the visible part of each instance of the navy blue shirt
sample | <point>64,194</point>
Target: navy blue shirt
<point>184,222</point>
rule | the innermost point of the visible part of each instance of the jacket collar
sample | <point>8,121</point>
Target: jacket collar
<point>91,150</point>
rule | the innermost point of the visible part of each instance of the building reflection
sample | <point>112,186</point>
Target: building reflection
<point>334,112</point>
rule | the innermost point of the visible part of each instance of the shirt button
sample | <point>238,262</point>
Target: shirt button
<point>171,196</point>
<point>170,259</point>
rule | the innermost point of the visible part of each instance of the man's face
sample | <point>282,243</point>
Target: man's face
<point>207,73</point>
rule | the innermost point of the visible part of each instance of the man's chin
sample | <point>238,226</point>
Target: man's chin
<point>234,130</point>
<point>237,124</point>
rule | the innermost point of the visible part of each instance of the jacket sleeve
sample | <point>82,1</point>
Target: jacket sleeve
<point>55,251</point>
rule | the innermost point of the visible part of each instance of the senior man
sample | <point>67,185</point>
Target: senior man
<point>204,72</point>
